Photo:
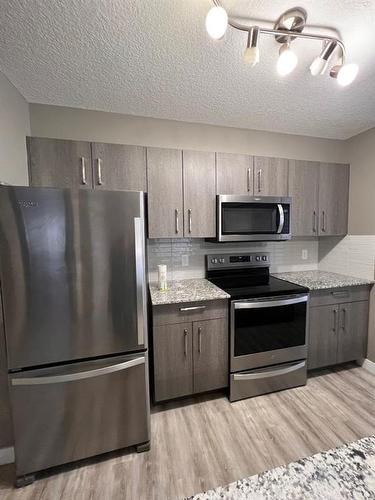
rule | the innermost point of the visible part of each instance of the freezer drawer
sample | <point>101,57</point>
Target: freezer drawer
<point>261,381</point>
<point>67,413</point>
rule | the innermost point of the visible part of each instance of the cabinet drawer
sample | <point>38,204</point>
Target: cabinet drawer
<point>189,311</point>
<point>339,295</point>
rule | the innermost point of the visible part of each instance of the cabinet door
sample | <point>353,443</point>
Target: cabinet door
<point>119,167</point>
<point>353,324</point>
<point>59,163</point>
<point>234,174</point>
<point>210,348</point>
<point>323,336</point>
<point>173,361</point>
<point>304,190</point>
<point>199,194</point>
<point>333,199</point>
<point>165,206</point>
<point>270,176</point>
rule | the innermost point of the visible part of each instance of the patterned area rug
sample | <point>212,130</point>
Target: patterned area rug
<point>347,472</point>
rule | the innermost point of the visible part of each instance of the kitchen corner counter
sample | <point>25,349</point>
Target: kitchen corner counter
<point>320,280</point>
<point>190,290</point>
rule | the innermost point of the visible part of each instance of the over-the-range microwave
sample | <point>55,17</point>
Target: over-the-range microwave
<point>253,218</point>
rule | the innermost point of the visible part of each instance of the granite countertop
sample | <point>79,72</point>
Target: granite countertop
<point>190,290</point>
<point>320,280</point>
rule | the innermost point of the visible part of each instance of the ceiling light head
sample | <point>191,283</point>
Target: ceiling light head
<point>345,73</point>
<point>320,63</point>
<point>216,22</point>
<point>287,60</point>
<point>251,55</point>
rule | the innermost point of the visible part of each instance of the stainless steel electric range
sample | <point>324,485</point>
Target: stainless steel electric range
<point>268,324</point>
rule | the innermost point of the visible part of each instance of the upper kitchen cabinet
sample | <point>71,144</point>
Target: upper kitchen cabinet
<point>164,185</point>
<point>234,174</point>
<point>333,199</point>
<point>199,194</point>
<point>59,163</point>
<point>304,190</point>
<point>270,176</point>
<point>119,167</point>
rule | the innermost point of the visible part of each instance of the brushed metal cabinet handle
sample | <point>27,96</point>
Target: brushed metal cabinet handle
<point>192,308</point>
<point>199,339</point>
<point>83,171</point>
<point>314,221</point>
<point>259,180</point>
<point>99,166</point>
<point>334,320</point>
<point>323,221</point>
<point>189,220</point>
<point>185,341</point>
<point>177,228</point>
<point>248,179</point>
<point>343,326</point>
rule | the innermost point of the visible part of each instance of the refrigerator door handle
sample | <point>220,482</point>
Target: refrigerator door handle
<point>72,377</point>
<point>140,278</point>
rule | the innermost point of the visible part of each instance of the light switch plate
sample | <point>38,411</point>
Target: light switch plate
<point>184,260</point>
<point>305,254</point>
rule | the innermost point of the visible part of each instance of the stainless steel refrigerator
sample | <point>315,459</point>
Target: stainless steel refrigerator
<point>73,290</point>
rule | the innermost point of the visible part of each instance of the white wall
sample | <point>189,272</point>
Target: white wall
<point>79,124</point>
<point>14,126</point>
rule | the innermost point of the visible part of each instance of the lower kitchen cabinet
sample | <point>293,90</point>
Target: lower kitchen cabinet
<point>338,331</point>
<point>189,357</point>
<point>173,361</point>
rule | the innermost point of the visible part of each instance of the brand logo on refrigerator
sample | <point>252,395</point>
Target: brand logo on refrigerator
<point>28,204</point>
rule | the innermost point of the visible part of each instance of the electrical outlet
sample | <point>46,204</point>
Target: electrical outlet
<point>184,260</point>
<point>305,254</point>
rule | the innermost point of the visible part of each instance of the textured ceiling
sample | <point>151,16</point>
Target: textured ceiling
<point>154,58</point>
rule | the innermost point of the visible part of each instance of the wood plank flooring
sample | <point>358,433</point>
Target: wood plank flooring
<point>207,442</point>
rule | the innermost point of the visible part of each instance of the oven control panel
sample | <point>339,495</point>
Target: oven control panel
<point>223,261</point>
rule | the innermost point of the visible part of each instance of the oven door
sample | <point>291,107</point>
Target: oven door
<point>268,331</point>
<point>247,218</point>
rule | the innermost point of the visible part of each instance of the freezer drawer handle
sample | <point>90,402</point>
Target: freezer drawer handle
<point>72,377</point>
<point>271,373</point>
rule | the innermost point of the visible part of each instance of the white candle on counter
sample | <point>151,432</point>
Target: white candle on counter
<point>162,274</point>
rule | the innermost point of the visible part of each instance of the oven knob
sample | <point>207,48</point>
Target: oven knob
<point>257,258</point>
<point>213,261</point>
<point>264,258</point>
<point>221,261</point>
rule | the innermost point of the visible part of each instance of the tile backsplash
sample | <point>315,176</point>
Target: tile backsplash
<point>185,258</point>
<point>353,255</point>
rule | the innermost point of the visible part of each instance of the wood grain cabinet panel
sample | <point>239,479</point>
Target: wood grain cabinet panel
<point>333,199</point>
<point>199,194</point>
<point>210,354</point>
<point>234,174</point>
<point>270,176</point>
<point>165,202</point>
<point>322,350</point>
<point>352,329</point>
<point>173,361</point>
<point>59,163</point>
<point>304,190</point>
<point>119,167</point>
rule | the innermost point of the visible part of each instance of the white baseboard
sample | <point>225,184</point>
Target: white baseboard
<point>369,365</point>
<point>6,455</point>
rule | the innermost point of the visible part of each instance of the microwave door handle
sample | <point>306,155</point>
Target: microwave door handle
<point>281,218</point>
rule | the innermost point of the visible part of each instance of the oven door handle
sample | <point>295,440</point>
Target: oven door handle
<point>269,303</point>
<point>281,218</point>
<point>270,373</point>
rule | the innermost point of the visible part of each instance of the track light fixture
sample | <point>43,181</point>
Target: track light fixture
<point>288,27</point>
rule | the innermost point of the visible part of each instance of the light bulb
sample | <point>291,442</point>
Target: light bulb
<point>287,61</point>
<point>216,22</point>
<point>251,56</point>
<point>347,74</point>
<point>318,66</point>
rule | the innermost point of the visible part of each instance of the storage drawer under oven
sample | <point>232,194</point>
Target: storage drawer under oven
<point>264,380</point>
